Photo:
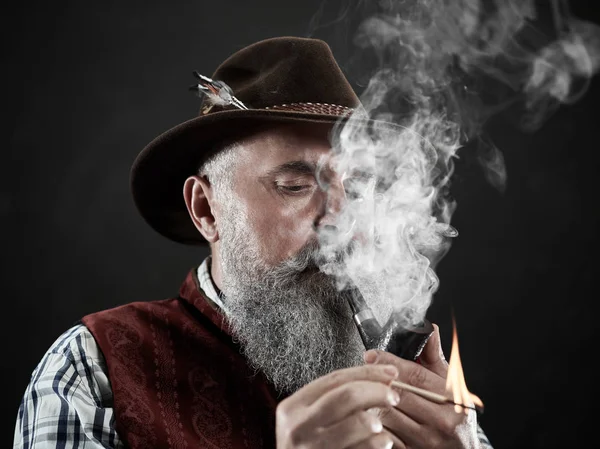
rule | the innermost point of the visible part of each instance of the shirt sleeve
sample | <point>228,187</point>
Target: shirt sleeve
<point>68,402</point>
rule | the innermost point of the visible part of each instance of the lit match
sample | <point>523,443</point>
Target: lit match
<point>455,384</point>
<point>434,397</point>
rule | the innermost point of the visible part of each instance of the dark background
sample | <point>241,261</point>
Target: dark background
<point>88,84</point>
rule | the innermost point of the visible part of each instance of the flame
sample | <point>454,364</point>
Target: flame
<point>456,386</point>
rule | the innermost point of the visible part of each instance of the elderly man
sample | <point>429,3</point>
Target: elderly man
<point>258,349</point>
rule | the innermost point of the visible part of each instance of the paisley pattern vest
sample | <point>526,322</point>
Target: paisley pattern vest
<point>178,378</point>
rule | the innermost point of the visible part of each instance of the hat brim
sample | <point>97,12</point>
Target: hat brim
<point>159,171</point>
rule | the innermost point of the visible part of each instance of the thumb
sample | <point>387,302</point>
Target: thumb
<point>432,356</point>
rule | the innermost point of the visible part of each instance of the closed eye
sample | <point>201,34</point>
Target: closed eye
<point>294,188</point>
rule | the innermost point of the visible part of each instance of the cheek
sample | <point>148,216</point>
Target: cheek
<point>282,228</point>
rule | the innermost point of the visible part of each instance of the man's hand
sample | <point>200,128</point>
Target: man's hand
<point>415,422</point>
<point>331,412</point>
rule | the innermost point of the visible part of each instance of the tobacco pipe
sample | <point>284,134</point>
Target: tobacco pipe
<point>395,336</point>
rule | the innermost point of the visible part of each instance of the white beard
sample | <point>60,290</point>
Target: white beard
<point>292,322</point>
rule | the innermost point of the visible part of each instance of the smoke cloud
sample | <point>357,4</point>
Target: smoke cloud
<point>442,69</point>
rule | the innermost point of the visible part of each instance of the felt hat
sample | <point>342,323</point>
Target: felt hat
<point>278,80</point>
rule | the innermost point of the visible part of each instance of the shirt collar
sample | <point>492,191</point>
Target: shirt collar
<point>206,284</point>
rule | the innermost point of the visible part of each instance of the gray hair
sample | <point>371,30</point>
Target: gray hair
<point>219,169</point>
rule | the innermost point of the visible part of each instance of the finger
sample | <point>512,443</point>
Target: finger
<point>352,430</point>
<point>426,412</point>
<point>347,399</point>
<point>432,435</point>
<point>380,441</point>
<point>409,372</point>
<point>432,356</point>
<point>402,427</point>
<point>397,442</point>
<point>317,388</point>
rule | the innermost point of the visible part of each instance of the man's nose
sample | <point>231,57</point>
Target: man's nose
<point>332,201</point>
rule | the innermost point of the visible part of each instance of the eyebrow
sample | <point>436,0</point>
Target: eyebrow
<point>297,167</point>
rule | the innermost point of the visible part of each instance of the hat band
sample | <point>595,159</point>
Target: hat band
<point>314,108</point>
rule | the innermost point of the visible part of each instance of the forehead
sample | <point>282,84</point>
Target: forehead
<point>284,143</point>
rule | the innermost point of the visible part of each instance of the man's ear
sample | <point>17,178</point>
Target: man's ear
<point>199,199</point>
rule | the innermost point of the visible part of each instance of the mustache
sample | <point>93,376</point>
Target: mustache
<point>306,259</point>
<point>312,258</point>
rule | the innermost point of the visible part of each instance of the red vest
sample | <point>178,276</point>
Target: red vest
<point>178,378</point>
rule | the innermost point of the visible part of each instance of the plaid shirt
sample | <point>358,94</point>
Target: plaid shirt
<point>69,402</point>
